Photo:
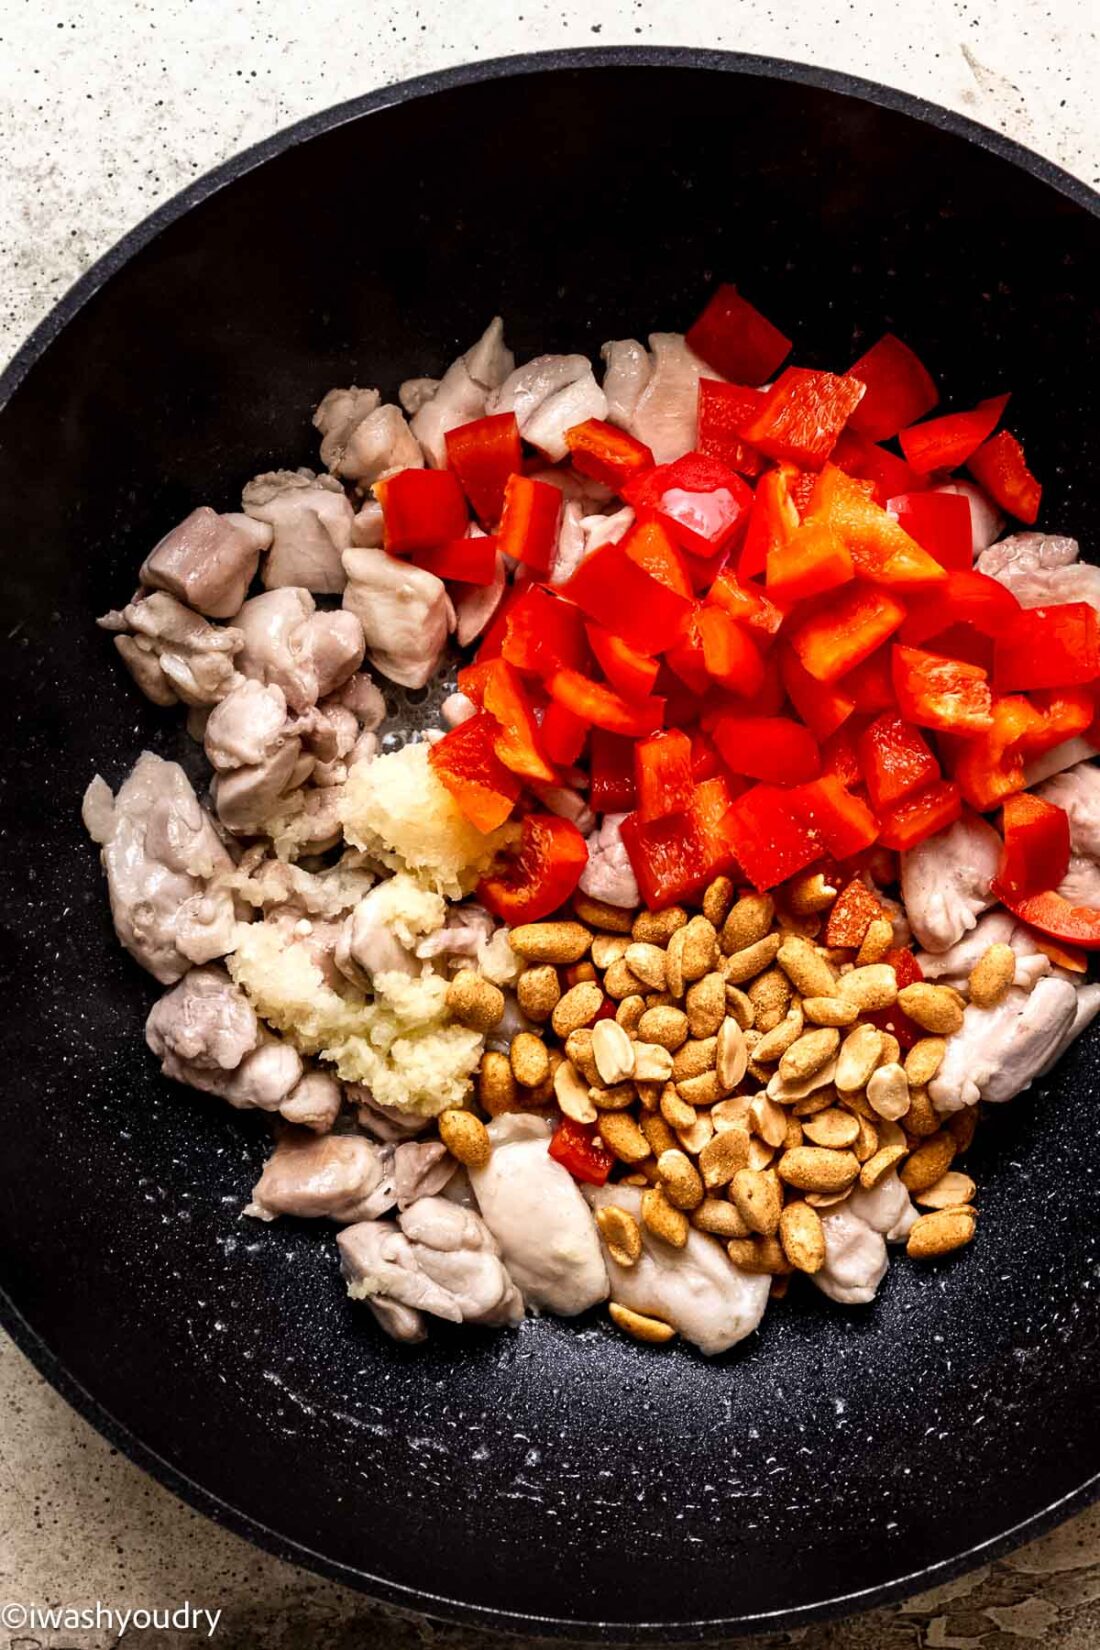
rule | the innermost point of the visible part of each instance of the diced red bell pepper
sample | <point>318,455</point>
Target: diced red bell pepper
<point>908,971</point>
<point>1001,468</point>
<point>1036,847</point>
<point>895,760</point>
<point>802,416</point>
<point>1066,956</point>
<point>920,815</point>
<point>939,523</point>
<point>630,672</point>
<point>840,823</point>
<point>685,659</point>
<point>881,549</point>
<point>853,911</point>
<point>899,389</point>
<point>887,473</point>
<point>736,340</point>
<point>518,742</point>
<point>651,547</point>
<point>845,629</point>
<point>812,560</point>
<point>573,1146</point>
<point>675,857</point>
<point>772,748</point>
<point>468,561</point>
<point>945,443</point>
<point>769,699</point>
<point>491,644</point>
<point>611,587</point>
<point>538,876</point>
<point>466,762</point>
<point>935,692</point>
<point>730,655</point>
<point>1051,913</point>
<point>698,499</point>
<point>472,678</point>
<point>544,634</point>
<point>663,774</point>
<point>483,454</point>
<point>1065,712</point>
<point>747,603</point>
<point>705,760</point>
<point>773,520</point>
<point>564,735</point>
<point>613,787</point>
<point>964,598</point>
<point>603,707</point>
<point>769,840</point>
<point>990,766</point>
<point>421,509</point>
<point>961,641</point>
<point>607,453</point>
<point>529,522</point>
<point>823,707</point>
<point>1048,647</point>
<point>839,758</point>
<point>723,408</point>
<point>870,686</point>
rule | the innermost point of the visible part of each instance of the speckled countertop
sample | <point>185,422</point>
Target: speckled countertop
<point>106,109</point>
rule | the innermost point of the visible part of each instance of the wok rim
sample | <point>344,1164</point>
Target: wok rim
<point>28,1339</point>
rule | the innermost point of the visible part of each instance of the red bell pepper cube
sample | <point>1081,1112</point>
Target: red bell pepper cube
<point>529,522</point>
<point>839,757</point>
<point>472,678</point>
<point>990,766</point>
<point>663,774</point>
<point>467,561</point>
<point>1001,468</point>
<point>853,911</point>
<point>1065,712</point>
<point>939,523</point>
<point>1051,913</point>
<point>723,408</point>
<point>895,759</point>
<point>882,551</point>
<point>603,707</point>
<point>887,474</point>
<point>899,389</point>
<point>822,707</point>
<point>770,697</point>
<point>652,548</point>
<point>964,598</point>
<point>483,454</point>
<point>845,629</point>
<point>705,760</point>
<point>698,499</point>
<point>773,520</point>
<point>537,876</point>
<point>841,824</point>
<point>945,443</point>
<point>769,840</point>
<point>1048,647</point>
<point>630,672</point>
<point>870,686</point>
<point>421,509</point>
<point>772,748</point>
<point>606,453</point>
<point>747,603</point>
<point>812,560</point>
<point>907,971</point>
<point>920,815</point>
<point>685,659</point>
<point>492,639</point>
<point>466,762</point>
<point>674,858</point>
<point>611,587</point>
<point>736,340</point>
<point>803,415</point>
<point>564,735</point>
<point>573,1146</point>
<point>730,655</point>
<point>935,692</point>
<point>544,633</point>
<point>613,787</point>
<point>1036,847</point>
<point>518,742</point>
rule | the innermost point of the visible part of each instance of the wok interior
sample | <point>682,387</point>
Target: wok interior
<point>561,1472</point>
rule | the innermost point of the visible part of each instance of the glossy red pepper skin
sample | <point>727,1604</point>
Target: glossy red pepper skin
<point>881,550</point>
<point>1065,713</point>
<point>1047,647</point>
<point>899,389</point>
<point>920,815</point>
<point>1036,847</point>
<point>466,762</point>
<point>870,686</point>
<point>853,911</point>
<point>663,774</point>
<point>483,454</point>
<point>529,522</point>
<point>839,757</point>
<point>544,634</point>
<point>769,841</point>
<point>612,784</point>
<point>773,521</point>
<point>723,408</point>
<point>537,877</point>
<point>467,561</point>
<point>772,748</point>
<point>965,597</point>
<point>814,559</point>
<point>699,500</point>
<point>631,673</point>
<point>939,523</point>
<point>802,416</point>
<point>894,1019</point>
<point>824,707</point>
<point>674,858</point>
<point>1001,468</point>
<point>839,823</point>
<point>573,1146</point>
<point>845,629</point>
<point>990,766</point>
<point>1051,913</point>
<point>937,692</point>
<point>603,707</point>
<point>652,548</point>
<point>945,443</point>
<point>564,735</point>
<point>613,589</point>
<point>421,510</point>
<point>518,742</point>
<point>730,656</point>
<point>607,453</point>
<point>887,474</point>
<point>736,340</point>
<point>747,604</point>
<point>895,760</point>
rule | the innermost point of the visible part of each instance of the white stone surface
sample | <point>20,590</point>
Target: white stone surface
<point>106,109</point>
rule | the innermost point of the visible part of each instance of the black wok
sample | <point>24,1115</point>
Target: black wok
<point>560,1478</point>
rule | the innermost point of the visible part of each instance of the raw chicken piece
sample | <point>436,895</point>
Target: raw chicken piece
<point>264,883</point>
<point>548,396</point>
<point>1077,790</point>
<point>696,1289</point>
<point>421,1168</point>
<point>855,1258</point>
<point>945,881</point>
<point>476,604</point>
<point>567,804</point>
<point>460,394</point>
<point>585,490</point>
<point>340,1177</point>
<point>456,709</point>
<point>995,928</point>
<point>248,724</point>
<point>287,642</point>
<point>362,441</point>
<point>986,520</point>
<point>171,652</point>
<point>368,946</point>
<point>569,552</point>
<point>665,416</point>
<point>311,520</point>
<point>465,933</point>
<point>314,1102</point>
<point>368,528</point>
<point>608,874</point>
<point>535,1211</point>
<point>247,799</point>
<point>1056,760</point>
<point>627,371</point>
<point>1041,570</point>
<point>208,561</point>
<point>405,612</point>
<point>887,1208</point>
<point>438,1258</point>
<point>415,393</point>
<point>337,415</point>
<point>1088,1006</point>
<point>1000,1050</point>
<point>383,1123</point>
<point>159,850</point>
<point>363,697</point>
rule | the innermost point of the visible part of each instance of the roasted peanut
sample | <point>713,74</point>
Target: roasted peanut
<point>869,988</point>
<point>879,1165</point>
<point>474,1001</point>
<point>465,1137</point>
<point>658,927</point>
<point>530,1060</point>
<point>612,1051</point>
<point>758,1254</point>
<point>940,1232</point>
<point>833,1128</point>
<point>717,901</point>
<point>657,1132</point>
<point>829,1011</point>
<point>677,1113</point>
<point>932,1159</point>
<point>496,1086</point>
<point>817,1169</point>
<point>747,922</point>
<point>769,1121</point>
<point>859,1055</point>
<point>695,1057</point>
<point>622,1137</point>
<point>706,1004</point>
<point>620,981</point>
<point>652,1063</point>
<point>718,1217</point>
<point>876,942</point>
<point>770,996</point>
<point>663,1219</point>
<point>805,967</point>
<point>538,992</point>
<point>596,913</point>
<point>922,1118</point>
<point>802,1237</point>
<point>666,1025</point>
<point>647,962</point>
<point>653,1331</point>
<point>578,1048</point>
<point>750,961</point>
<point>775,1043</point>
<point>935,1008</point>
<point>550,942</point>
<point>703,1090</point>
<point>888,1092</point>
<point>579,1007</point>
<point>739,1006</point>
<point>950,1191</point>
<point>620,1232</point>
<point>992,975</point>
<point>608,948</point>
<point>924,1059</point>
<point>629,1013</point>
<point>724,1153</point>
<point>808,1054</point>
<point>757,1200</point>
<point>731,1055</point>
<point>680,1179</point>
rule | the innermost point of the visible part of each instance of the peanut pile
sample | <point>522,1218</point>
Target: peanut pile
<point>731,1068</point>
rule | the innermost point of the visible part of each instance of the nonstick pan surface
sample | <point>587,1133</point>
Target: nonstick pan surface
<point>559,1479</point>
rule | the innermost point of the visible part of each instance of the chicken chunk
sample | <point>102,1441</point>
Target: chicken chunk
<point>208,561</point>
<point>405,613</point>
<point>1041,570</point>
<point>248,724</point>
<point>856,1260</point>
<point>946,881</point>
<point>310,518</point>
<point>1077,790</point>
<point>627,371</point>
<point>172,653</point>
<point>160,851</point>
<point>548,396</point>
<point>314,1102</point>
<point>535,1211</point>
<point>460,394</point>
<point>475,605</point>
<point>341,1177</point>
<point>665,415</point>
<point>289,644</point>
<point>364,446</point>
<point>697,1289</point>
<point>567,803</point>
<point>608,874</point>
<point>1000,1050</point>
<point>421,1168</point>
